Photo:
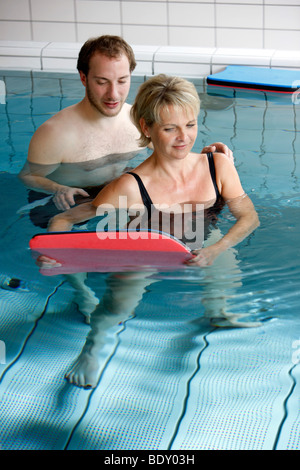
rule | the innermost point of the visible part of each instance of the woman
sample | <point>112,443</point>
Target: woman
<point>165,111</point>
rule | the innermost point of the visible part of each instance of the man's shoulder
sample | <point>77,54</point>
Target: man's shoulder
<point>64,115</point>
<point>52,138</point>
<point>59,122</point>
<point>126,110</point>
<point>127,106</point>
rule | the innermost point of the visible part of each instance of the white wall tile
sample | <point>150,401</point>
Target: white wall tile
<point>144,1</point>
<point>188,62</point>
<point>29,48</point>
<point>144,13</point>
<point>189,14</point>
<point>253,2</point>
<point>88,30</point>
<point>152,35</point>
<point>144,58</point>
<point>255,57</point>
<point>282,2</point>
<point>92,11</point>
<point>54,10</point>
<point>43,31</point>
<point>233,37</point>
<point>23,54</point>
<point>16,63</point>
<point>282,17</point>
<point>288,40</point>
<point>145,54</point>
<point>183,70</point>
<point>201,55</point>
<point>68,50</point>
<point>259,24</point>
<point>62,64</point>
<point>143,68</point>
<point>188,36</point>
<point>35,46</point>
<point>14,10</point>
<point>191,1</point>
<point>16,30</point>
<point>288,59</point>
<point>242,16</point>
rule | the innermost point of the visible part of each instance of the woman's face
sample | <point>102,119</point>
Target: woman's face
<point>175,135</point>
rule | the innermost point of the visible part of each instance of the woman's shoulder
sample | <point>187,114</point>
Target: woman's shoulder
<point>123,187</point>
<point>199,157</point>
<point>221,159</point>
<point>206,156</point>
<point>124,184</point>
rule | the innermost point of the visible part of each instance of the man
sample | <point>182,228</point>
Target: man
<point>88,144</point>
<point>84,146</point>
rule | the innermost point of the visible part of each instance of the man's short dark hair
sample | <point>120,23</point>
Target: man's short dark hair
<point>110,46</point>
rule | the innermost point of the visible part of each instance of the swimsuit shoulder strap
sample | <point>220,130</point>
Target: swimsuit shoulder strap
<point>144,193</point>
<point>212,170</point>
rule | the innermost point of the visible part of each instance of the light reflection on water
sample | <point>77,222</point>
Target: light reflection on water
<point>155,349</point>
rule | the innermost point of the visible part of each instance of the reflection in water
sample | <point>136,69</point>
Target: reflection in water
<point>124,291</point>
<point>86,173</point>
<point>226,294</point>
<point>216,103</point>
<point>250,370</point>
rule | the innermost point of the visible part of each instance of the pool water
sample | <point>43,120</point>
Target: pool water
<point>170,378</point>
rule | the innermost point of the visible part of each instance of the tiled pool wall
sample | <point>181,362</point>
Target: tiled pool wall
<point>270,24</point>
<point>174,60</point>
<point>189,38</point>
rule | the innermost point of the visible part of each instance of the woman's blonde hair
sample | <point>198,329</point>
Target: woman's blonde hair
<point>156,93</point>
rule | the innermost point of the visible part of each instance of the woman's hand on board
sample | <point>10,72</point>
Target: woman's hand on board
<point>204,256</point>
<point>45,262</point>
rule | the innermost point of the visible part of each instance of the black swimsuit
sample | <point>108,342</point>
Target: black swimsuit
<point>209,215</point>
<point>147,199</point>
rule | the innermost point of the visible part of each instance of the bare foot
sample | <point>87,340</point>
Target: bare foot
<point>85,371</point>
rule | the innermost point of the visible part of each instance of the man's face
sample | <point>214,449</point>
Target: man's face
<point>107,83</point>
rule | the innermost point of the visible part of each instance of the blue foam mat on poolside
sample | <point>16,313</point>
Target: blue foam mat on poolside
<point>257,77</point>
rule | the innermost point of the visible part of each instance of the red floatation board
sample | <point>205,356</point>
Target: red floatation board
<point>109,251</point>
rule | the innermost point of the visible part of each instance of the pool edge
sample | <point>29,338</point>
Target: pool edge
<point>151,60</point>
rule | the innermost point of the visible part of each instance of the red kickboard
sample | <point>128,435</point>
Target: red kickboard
<point>109,251</point>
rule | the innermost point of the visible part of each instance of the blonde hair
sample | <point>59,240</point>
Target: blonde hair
<point>156,93</point>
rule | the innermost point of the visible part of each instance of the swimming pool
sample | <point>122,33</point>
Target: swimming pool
<point>170,379</point>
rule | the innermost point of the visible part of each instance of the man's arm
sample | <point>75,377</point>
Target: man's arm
<point>108,199</point>
<point>44,157</point>
<point>63,196</point>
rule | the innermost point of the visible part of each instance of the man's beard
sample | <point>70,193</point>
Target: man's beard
<point>99,106</point>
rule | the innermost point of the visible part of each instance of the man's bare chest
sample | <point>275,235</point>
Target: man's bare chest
<point>92,145</point>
